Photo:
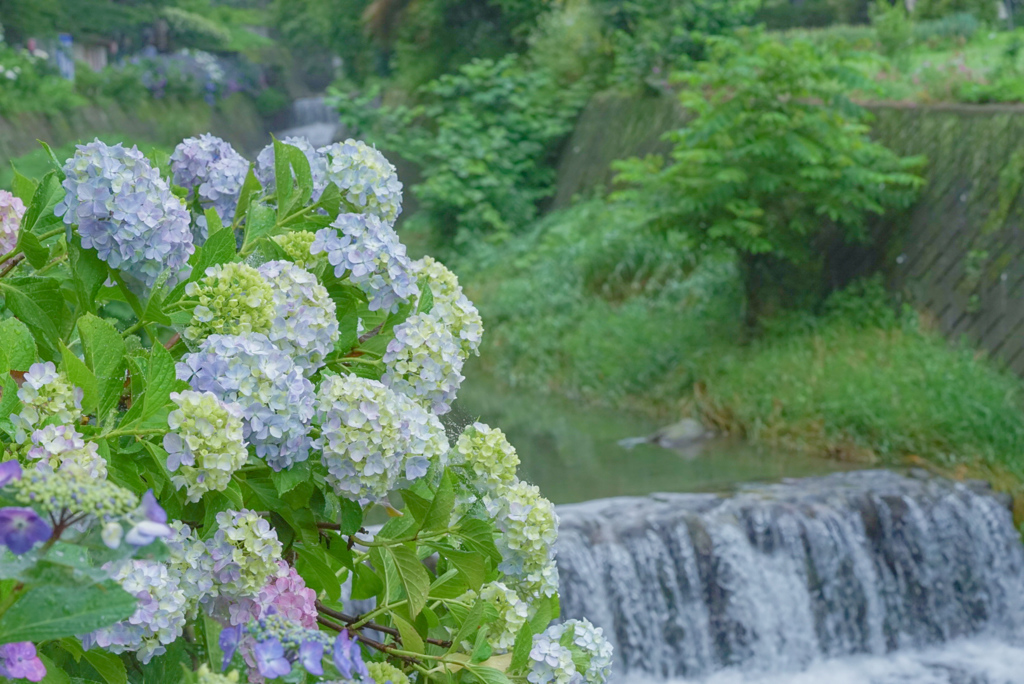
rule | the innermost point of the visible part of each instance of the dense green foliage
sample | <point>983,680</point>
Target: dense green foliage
<point>775,154</point>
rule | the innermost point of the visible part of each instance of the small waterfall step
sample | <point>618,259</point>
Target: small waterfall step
<point>866,577</point>
<point>312,118</point>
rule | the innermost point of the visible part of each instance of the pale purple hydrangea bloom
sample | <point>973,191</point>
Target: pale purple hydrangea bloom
<point>276,398</point>
<point>369,251</point>
<point>219,172</point>
<point>317,166</point>
<point>45,394</point>
<point>366,178</point>
<point>274,642</point>
<point>62,447</point>
<point>159,616</point>
<point>20,661</point>
<point>305,323</point>
<point>424,362</point>
<point>550,662</point>
<point>126,211</point>
<point>11,211</point>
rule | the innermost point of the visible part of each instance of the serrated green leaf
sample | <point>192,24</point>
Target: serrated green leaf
<point>161,380</point>
<point>411,639</point>
<point>105,355</point>
<point>39,213</point>
<point>17,341</point>
<point>543,614</point>
<point>54,673</point>
<point>415,504</point>
<point>351,517</point>
<point>413,575</point>
<point>81,376</point>
<point>488,675</point>
<point>284,184</point>
<point>290,478</point>
<point>39,304</point>
<point>251,186</point>
<point>89,274</point>
<point>521,648</point>
<point>52,612</point>
<point>481,649</point>
<point>213,222</point>
<point>470,624</point>
<point>470,564</point>
<point>440,514</point>
<point>426,301</point>
<point>478,536</point>
<point>108,665</point>
<point>55,164</point>
<point>260,223</point>
<point>449,585</point>
<point>315,568</point>
<point>34,252</point>
<point>303,177</point>
<point>23,188</point>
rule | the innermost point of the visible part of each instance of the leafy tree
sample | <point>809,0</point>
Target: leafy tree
<point>776,155</point>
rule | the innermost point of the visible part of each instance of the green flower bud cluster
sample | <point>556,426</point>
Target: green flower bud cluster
<point>386,673</point>
<point>60,490</point>
<point>205,676</point>
<point>206,445</point>
<point>232,299</point>
<point>296,245</point>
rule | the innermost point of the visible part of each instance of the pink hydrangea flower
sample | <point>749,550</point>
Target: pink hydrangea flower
<point>11,211</point>
<point>288,594</point>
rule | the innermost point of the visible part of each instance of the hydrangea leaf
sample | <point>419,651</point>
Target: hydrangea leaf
<point>89,274</point>
<point>24,188</point>
<point>16,339</point>
<point>35,253</point>
<point>440,513</point>
<point>478,536</point>
<point>108,665</point>
<point>521,649</point>
<point>105,355</point>
<point>450,585</point>
<point>213,222</point>
<point>413,576</point>
<point>290,478</point>
<point>250,186</point>
<point>40,305</point>
<point>313,565</point>
<point>351,516</point>
<point>39,214</point>
<point>58,167</point>
<point>469,564</point>
<point>259,223</point>
<point>488,675</point>
<point>53,612</point>
<point>366,583</point>
<point>283,181</point>
<point>411,640</point>
<point>160,381</point>
<point>81,376</point>
<point>303,174</point>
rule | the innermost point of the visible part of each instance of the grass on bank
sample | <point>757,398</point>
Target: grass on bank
<point>586,305</point>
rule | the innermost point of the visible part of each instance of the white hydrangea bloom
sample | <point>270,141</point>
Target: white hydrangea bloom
<point>550,662</point>
<point>454,309</point>
<point>62,447</point>
<point>191,563</point>
<point>512,614</point>
<point>529,528</point>
<point>45,394</point>
<point>245,551</point>
<point>11,211</point>
<point>423,361</point>
<point>305,325</point>
<point>371,437</point>
<point>592,642</point>
<point>487,455</point>
<point>205,445</point>
<point>366,178</point>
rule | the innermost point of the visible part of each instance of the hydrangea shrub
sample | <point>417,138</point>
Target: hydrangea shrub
<point>222,453</point>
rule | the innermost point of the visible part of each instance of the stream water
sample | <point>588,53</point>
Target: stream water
<point>864,577</point>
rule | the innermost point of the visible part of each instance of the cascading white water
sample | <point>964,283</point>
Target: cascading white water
<point>312,118</point>
<point>868,576</point>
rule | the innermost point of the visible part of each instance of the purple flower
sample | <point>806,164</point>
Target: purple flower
<point>348,658</point>
<point>9,471</point>
<point>229,638</point>
<point>153,527</point>
<point>151,509</point>
<point>21,662</point>
<point>311,655</point>
<point>270,659</point>
<point>22,528</point>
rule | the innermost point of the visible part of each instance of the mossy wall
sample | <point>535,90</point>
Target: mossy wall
<point>957,255</point>
<point>235,119</point>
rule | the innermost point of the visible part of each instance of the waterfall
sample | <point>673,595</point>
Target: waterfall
<point>314,119</point>
<point>869,575</point>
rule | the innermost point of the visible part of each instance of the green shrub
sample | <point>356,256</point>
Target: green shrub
<point>954,28</point>
<point>894,29</point>
<point>775,155</point>
<point>29,84</point>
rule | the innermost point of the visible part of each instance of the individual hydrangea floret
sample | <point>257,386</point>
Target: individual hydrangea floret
<point>205,445</point>
<point>19,660</point>
<point>159,616</point>
<point>231,299</point>
<point>62,447</point>
<point>212,165</point>
<point>245,552</point>
<point>305,325</point>
<point>276,398</point>
<point>365,177</point>
<point>296,245</point>
<point>423,361</point>
<point>371,437</point>
<point>529,528</point>
<point>550,662</point>
<point>11,211</point>
<point>487,456</point>
<point>22,528</point>
<point>385,673</point>
<point>368,252</point>
<point>287,595</point>
<point>317,166</point>
<point>45,394</point>
<point>127,213</point>
<point>451,306</point>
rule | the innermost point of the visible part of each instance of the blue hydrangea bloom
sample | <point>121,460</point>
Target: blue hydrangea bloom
<point>212,165</point>
<point>369,251</point>
<point>366,178</point>
<point>127,213</point>
<point>276,398</point>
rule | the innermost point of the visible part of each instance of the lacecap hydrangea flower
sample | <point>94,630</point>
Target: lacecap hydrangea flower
<point>529,528</point>
<point>231,299</point>
<point>277,642</point>
<point>423,361</point>
<point>451,306</point>
<point>62,447</point>
<point>370,253</point>
<point>216,169</point>
<point>371,437</point>
<point>296,245</point>
<point>205,445</point>
<point>45,394</point>
<point>305,325</point>
<point>276,398</point>
<point>317,166</point>
<point>159,616</point>
<point>365,177</point>
<point>11,211</point>
<point>487,456</point>
<point>127,213</point>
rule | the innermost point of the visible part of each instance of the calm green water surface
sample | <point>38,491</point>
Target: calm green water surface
<point>570,449</point>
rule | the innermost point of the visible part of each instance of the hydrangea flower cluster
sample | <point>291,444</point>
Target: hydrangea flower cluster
<point>550,661</point>
<point>529,528</point>
<point>277,642</point>
<point>276,399</point>
<point>372,436</point>
<point>205,446</point>
<point>487,455</point>
<point>591,641</point>
<point>451,306</point>
<point>317,166</point>
<point>204,675</point>
<point>386,673</point>
<point>212,165</point>
<point>305,325</point>
<point>61,490</point>
<point>369,252</point>
<point>11,211</point>
<point>192,564</point>
<point>127,213</point>
<point>62,447</point>
<point>245,552</point>
<point>365,177</point>
<point>296,245</point>
<point>159,616</point>
<point>288,595</point>
<point>512,614</point>
<point>44,394</point>
<point>424,361</point>
<point>19,660</point>
<point>231,299</point>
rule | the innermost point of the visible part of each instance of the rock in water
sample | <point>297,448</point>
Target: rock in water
<point>686,436</point>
